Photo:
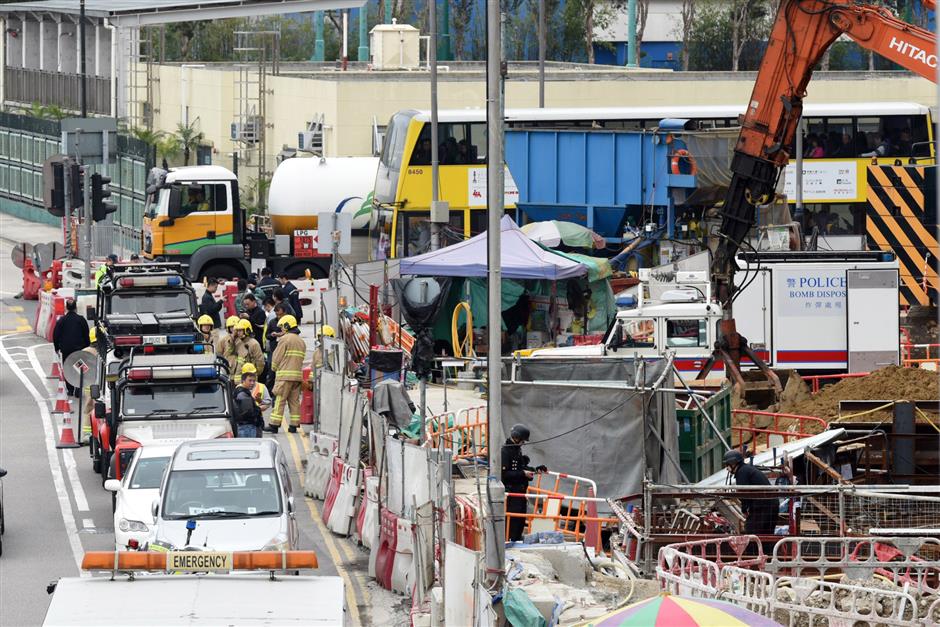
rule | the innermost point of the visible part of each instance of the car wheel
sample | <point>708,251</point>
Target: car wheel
<point>222,271</point>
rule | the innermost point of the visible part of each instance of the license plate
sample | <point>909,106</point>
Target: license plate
<point>198,561</point>
<point>154,339</point>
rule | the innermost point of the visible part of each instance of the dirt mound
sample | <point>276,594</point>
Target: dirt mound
<point>889,384</point>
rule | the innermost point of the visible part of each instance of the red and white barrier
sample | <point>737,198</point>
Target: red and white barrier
<point>367,523</point>
<point>229,292</point>
<point>384,556</point>
<point>332,488</point>
<point>319,465</point>
<point>310,292</point>
<point>344,504</point>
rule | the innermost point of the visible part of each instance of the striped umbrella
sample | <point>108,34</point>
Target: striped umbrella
<point>667,610</point>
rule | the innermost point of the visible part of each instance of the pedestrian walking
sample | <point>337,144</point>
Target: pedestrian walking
<point>287,364</point>
<point>761,514</point>
<point>69,335</point>
<point>209,306</point>
<point>516,474</point>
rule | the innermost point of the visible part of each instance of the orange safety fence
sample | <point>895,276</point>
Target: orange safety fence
<point>464,433</point>
<point>773,430</point>
<point>931,355</point>
<point>816,380</point>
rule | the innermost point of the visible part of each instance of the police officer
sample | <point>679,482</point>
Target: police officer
<point>761,514</point>
<point>516,474</point>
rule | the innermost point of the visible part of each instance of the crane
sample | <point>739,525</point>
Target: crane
<point>802,32</point>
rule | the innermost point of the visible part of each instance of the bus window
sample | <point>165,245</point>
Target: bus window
<point>382,233</point>
<point>452,232</point>
<point>455,147</point>
<point>840,138</point>
<point>394,148</point>
<point>868,130</point>
<point>814,144</point>
<point>478,221</point>
<point>414,234</point>
<point>478,142</point>
<point>834,219</point>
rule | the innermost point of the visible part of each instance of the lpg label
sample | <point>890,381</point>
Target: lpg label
<point>810,292</point>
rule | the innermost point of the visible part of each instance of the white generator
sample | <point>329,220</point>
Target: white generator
<point>820,310</point>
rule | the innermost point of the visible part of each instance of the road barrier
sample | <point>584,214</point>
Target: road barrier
<point>319,464</point>
<point>463,433</point>
<point>63,408</point>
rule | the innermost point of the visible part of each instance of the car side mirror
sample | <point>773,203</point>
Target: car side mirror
<point>112,485</point>
<point>155,508</point>
<point>167,222</point>
<point>290,505</point>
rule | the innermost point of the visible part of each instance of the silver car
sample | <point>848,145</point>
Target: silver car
<point>225,495</point>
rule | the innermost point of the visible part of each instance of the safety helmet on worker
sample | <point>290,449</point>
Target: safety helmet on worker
<point>249,369</point>
<point>231,321</point>
<point>732,458</point>
<point>327,331</point>
<point>287,322</point>
<point>519,432</point>
<point>205,320</point>
<point>93,335</point>
<point>244,325</point>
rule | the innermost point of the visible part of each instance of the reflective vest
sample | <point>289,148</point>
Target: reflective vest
<point>288,359</point>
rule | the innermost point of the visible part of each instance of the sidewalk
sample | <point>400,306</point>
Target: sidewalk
<point>15,230</point>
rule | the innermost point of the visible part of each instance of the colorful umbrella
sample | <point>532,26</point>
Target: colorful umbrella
<point>668,610</point>
<point>551,233</point>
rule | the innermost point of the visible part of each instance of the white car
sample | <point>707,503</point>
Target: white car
<point>134,494</point>
<point>226,495</point>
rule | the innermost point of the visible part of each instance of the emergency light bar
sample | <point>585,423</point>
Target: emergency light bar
<point>172,372</point>
<point>151,281</point>
<point>198,561</point>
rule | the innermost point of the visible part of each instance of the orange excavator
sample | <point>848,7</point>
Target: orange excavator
<point>801,34</point>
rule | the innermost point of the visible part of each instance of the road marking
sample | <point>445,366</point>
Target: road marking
<point>15,308</point>
<point>65,506</point>
<point>327,536</point>
<point>88,523</point>
<point>71,468</point>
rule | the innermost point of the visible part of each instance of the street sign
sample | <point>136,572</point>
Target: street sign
<point>81,368</point>
<point>84,137</point>
<point>20,253</point>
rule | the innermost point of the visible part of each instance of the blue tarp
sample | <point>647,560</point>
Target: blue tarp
<point>521,258</point>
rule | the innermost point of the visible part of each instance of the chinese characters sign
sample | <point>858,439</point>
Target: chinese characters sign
<point>824,180</point>
<point>810,292</point>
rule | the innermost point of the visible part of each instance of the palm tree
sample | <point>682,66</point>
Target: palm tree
<point>168,147</point>
<point>189,139</point>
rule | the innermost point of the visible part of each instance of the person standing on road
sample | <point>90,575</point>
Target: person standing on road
<point>248,349</point>
<point>761,514</point>
<point>287,364</point>
<point>516,474</point>
<point>209,306</point>
<point>267,281</point>
<point>105,268</point>
<point>70,335</point>
<point>259,391</point>
<point>225,346</point>
<point>255,315</point>
<point>210,335</point>
<point>291,294</point>
<point>246,415</point>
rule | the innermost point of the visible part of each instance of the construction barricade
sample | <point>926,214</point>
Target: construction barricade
<point>782,428</point>
<point>463,433</point>
<point>310,294</point>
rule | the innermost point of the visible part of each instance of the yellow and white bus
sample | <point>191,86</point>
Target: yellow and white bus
<point>839,142</point>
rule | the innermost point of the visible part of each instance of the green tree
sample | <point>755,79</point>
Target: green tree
<point>189,138</point>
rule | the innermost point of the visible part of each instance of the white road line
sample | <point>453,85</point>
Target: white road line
<point>81,503</point>
<point>88,523</point>
<point>71,529</point>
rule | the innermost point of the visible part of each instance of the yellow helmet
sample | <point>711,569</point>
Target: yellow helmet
<point>244,325</point>
<point>231,321</point>
<point>288,322</point>
<point>249,369</point>
<point>327,331</point>
<point>204,320</point>
<point>93,335</point>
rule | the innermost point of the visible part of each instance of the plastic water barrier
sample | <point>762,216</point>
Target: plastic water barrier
<point>319,465</point>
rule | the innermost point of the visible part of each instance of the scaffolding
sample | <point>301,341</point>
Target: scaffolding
<point>258,52</point>
<point>142,76</point>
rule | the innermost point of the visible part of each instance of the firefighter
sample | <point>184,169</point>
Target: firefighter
<point>247,348</point>
<point>325,331</point>
<point>210,335</point>
<point>516,474</point>
<point>225,345</point>
<point>761,514</point>
<point>287,364</point>
<point>259,391</point>
<point>246,415</point>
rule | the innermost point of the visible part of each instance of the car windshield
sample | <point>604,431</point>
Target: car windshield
<point>221,493</point>
<point>150,302</point>
<point>172,400</point>
<point>148,473</point>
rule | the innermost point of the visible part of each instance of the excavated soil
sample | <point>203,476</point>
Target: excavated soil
<point>888,384</point>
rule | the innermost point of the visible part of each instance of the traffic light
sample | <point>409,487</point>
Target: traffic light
<point>53,186</point>
<point>76,185</point>
<point>100,208</point>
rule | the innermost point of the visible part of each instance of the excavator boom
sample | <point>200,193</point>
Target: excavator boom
<point>802,32</point>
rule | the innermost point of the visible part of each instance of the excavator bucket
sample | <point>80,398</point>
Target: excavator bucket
<point>760,387</point>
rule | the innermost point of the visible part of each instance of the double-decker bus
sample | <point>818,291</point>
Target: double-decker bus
<point>840,141</point>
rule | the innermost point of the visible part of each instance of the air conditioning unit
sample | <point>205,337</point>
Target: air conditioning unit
<point>248,132</point>
<point>310,141</point>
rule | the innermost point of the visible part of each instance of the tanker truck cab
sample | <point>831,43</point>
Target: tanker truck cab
<point>167,397</point>
<point>193,216</point>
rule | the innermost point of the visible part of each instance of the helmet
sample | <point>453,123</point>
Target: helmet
<point>204,320</point>
<point>732,457</point>
<point>519,432</point>
<point>288,322</point>
<point>93,335</point>
<point>327,331</point>
<point>244,325</point>
<point>231,321</point>
<point>249,369</point>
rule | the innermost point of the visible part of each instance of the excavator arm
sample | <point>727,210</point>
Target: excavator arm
<point>801,34</point>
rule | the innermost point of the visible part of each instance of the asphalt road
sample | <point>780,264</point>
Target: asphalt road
<point>56,508</point>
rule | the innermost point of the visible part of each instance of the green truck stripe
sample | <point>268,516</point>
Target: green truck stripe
<point>190,246</point>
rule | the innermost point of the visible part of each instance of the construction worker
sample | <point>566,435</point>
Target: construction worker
<point>287,364</point>
<point>516,474</point>
<point>225,346</point>
<point>761,514</point>
<point>210,335</point>
<point>259,391</point>
<point>247,348</point>
<point>247,420</point>
<point>105,268</point>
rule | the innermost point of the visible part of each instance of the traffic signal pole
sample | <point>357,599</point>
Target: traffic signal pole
<point>87,211</point>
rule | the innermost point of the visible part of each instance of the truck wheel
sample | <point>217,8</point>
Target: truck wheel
<point>222,271</point>
<point>95,452</point>
<point>104,464</point>
<point>298,271</point>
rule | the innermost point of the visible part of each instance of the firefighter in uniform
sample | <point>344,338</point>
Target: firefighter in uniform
<point>210,335</point>
<point>287,364</point>
<point>225,347</point>
<point>248,349</point>
<point>516,474</point>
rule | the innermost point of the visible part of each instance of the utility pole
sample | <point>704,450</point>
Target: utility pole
<point>363,51</point>
<point>438,213</point>
<point>631,33</point>
<point>541,54</point>
<point>495,530</point>
<point>81,51</point>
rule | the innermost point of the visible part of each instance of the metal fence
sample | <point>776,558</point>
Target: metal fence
<point>55,88</point>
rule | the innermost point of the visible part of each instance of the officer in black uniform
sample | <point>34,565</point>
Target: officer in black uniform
<point>761,513</point>
<point>516,474</point>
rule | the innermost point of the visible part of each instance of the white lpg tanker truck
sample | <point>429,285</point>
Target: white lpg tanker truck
<point>193,216</point>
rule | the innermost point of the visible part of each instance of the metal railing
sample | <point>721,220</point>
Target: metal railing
<point>55,88</point>
<point>751,434</point>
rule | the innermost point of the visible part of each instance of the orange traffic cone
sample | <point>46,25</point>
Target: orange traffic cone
<point>67,435</point>
<point>62,403</point>
<point>56,371</point>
